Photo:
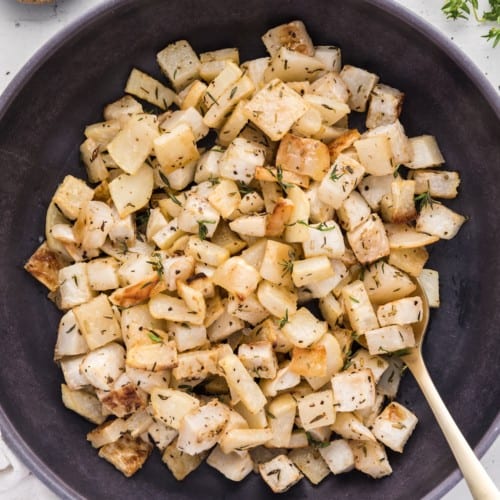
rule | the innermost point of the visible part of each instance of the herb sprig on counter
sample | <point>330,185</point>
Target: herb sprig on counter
<point>462,9</point>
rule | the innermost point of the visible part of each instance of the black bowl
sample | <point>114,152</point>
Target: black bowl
<point>42,115</point>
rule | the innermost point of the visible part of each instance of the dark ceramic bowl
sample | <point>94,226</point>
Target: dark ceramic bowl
<point>42,115</point>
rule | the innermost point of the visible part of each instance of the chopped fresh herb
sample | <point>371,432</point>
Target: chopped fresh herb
<point>353,299</point>
<point>317,418</point>
<point>279,178</point>
<point>424,199</point>
<point>287,266</point>
<point>284,320</point>
<point>460,9</point>
<point>233,91</point>
<point>322,226</point>
<point>335,176</point>
<point>347,363</point>
<point>70,329</point>
<point>202,228</point>
<point>212,98</point>
<point>273,472</point>
<point>315,443</point>
<point>165,180</point>
<point>154,337</point>
<point>245,188</point>
<point>493,36</point>
<point>157,264</point>
<point>399,425</point>
<point>400,352</point>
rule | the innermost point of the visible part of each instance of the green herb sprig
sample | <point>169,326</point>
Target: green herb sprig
<point>424,199</point>
<point>203,229</point>
<point>279,179</point>
<point>462,9</point>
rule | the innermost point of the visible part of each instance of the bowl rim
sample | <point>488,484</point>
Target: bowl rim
<point>7,429</point>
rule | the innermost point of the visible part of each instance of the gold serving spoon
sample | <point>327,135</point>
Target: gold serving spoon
<point>480,484</point>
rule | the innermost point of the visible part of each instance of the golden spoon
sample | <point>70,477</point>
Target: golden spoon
<point>480,484</point>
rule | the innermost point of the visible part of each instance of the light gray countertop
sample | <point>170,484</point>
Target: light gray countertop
<point>25,28</point>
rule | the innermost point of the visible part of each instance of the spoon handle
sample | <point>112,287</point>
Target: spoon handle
<point>480,484</point>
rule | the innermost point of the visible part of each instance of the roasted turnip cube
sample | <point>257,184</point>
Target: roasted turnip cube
<point>338,456</point>
<point>70,341</point>
<point>353,211</point>
<point>74,287</point>
<point>292,35</point>
<point>200,428</point>
<point>281,416</point>
<point>104,365</point>
<point>127,454</point>
<point>353,390</point>
<point>324,238</point>
<point>385,106</point>
<point>370,458</point>
<point>375,154</point>
<point>358,307</point>
<point>360,84</point>
<point>181,464</point>
<point>439,184</point>
<point>179,63</point>
<point>303,328</point>
<point>237,277</point>
<point>84,403</point>
<point>316,410</point>
<point>310,463</point>
<point>394,426</point>
<point>374,187</point>
<point>409,260</point>
<point>285,378</point>
<point>363,359</point>
<point>400,312</point>
<point>259,359</point>
<point>171,406</point>
<point>241,383</point>
<point>390,339</point>
<point>344,175</point>
<point>235,465</point>
<point>311,270</point>
<point>276,99</point>
<point>438,220</point>
<point>399,205</point>
<point>385,283</point>
<point>242,439</point>
<point>280,473</point>
<point>349,426</point>
<point>429,281</point>
<point>369,240</point>
<point>71,196</point>
<point>303,156</point>
<point>424,152</point>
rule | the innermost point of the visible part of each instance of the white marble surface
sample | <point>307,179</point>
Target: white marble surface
<point>23,29</point>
